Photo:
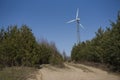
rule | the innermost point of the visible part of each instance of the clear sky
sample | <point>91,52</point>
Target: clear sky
<point>47,18</point>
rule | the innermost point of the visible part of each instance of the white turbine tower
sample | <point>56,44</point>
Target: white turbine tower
<point>77,20</point>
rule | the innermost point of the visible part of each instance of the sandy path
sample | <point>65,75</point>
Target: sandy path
<point>74,72</point>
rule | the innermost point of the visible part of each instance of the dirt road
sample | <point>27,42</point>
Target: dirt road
<point>74,72</point>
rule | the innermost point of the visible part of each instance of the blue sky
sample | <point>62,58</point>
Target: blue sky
<point>47,18</point>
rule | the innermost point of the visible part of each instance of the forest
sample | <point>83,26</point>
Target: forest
<point>104,48</point>
<point>19,47</point>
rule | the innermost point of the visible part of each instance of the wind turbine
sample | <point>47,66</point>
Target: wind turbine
<point>77,20</point>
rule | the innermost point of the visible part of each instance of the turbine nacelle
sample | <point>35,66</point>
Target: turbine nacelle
<point>78,19</point>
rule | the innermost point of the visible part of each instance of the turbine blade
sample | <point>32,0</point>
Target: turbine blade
<point>77,13</point>
<point>71,21</point>
<point>81,26</point>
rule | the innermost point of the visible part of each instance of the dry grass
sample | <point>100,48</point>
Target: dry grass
<point>17,73</point>
<point>85,69</point>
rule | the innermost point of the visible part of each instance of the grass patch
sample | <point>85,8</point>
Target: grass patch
<point>17,73</point>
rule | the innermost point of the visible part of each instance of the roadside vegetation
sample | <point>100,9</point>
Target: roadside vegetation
<point>19,48</point>
<point>104,48</point>
<point>17,73</point>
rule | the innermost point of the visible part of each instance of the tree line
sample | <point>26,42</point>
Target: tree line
<point>104,48</point>
<point>19,47</point>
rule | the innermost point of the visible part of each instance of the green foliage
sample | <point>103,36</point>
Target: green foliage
<point>50,54</point>
<point>18,47</point>
<point>103,48</point>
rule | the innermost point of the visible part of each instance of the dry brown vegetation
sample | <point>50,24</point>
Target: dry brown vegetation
<point>17,73</point>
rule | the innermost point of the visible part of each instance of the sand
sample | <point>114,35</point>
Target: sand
<point>74,72</point>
